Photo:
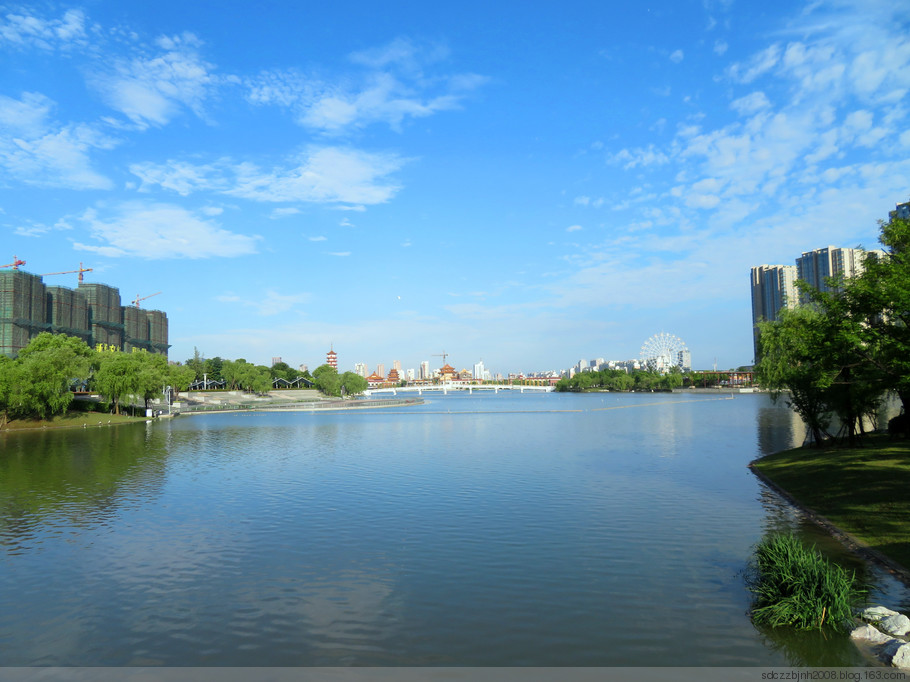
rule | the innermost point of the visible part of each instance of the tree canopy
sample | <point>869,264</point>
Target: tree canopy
<point>839,354</point>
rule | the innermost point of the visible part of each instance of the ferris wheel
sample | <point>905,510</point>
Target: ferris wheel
<point>661,351</point>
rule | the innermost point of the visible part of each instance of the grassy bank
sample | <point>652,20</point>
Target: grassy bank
<point>70,420</point>
<point>864,491</point>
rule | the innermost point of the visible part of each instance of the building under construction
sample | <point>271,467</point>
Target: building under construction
<point>91,312</point>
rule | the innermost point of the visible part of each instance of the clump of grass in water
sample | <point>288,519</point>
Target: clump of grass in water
<point>795,585</point>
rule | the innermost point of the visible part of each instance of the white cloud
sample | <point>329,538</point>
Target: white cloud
<point>758,65</point>
<point>271,303</point>
<point>751,103</point>
<point>39,151</point>
<point>160,231</point>
<point>574,228</point>
<point>317,175</point>
<point>393,90</point>
<point>283,212</point>
<point>632,158</point>
<point>180,177</point>
<point>152,90</point>
<point>22,30</point>
<point>340,254</point>
<point>320,238</point>
<point>720,47</point>
<point>325,175</point>
<point>40,229</point>
<point>677,56</point>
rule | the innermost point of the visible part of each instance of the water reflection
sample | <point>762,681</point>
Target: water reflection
<point>73,476</point>
<point>487,530</point>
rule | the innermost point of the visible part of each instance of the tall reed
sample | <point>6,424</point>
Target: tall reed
<point>794,585</point>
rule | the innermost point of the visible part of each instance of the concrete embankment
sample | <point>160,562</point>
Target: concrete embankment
<point>202,402</point>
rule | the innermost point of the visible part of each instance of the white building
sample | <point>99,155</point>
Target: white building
<point>360,368</point>
<point>425,370</point>
<point>479,371</point>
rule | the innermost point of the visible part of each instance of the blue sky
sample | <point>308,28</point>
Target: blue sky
<point>522,183</point>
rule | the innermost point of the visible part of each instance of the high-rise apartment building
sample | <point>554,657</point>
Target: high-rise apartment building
<point>425,370</point>
<point>478,371</point>
<point>380,370</point>
<point>396,365</point>
<point>773,289</point>
<point>815,267</point>
<point>684,359</point>
<point>360,369</point>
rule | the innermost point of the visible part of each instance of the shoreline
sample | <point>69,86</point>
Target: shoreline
<point>853,544</point>
<point>89,420</point>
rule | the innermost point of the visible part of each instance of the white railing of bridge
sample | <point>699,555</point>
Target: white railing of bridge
<point>470,388</point>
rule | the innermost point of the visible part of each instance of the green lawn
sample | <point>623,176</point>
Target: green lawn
<point>70,419</point>
<point>864,491</point>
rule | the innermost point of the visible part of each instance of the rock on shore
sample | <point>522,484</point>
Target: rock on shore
<point>885,635</point>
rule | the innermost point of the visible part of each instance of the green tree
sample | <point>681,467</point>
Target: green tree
<point>197,364</point>
<point>878,302</point>
<point>212,369</point>
<point>240,374</point>
<point>8,379</point>
<point>116,376</point>
<point>179,377</point>
<point>327,380</point>
<point>282,370</point>
<point>44,373</point>
<point>791,358</point>
<point>353,384</point>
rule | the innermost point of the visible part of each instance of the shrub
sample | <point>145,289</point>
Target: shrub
<point>795,585</point>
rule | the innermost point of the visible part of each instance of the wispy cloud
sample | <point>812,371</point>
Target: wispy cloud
<point>283,212</point>
<point>27,30</point>
<point>268,304</point>
<point>150,90</point>
<point>393,89</point>
<point>37,150</point>
<point>159,231</point>
<point>316,175</point>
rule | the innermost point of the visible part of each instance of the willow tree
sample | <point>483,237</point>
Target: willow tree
<point>39,382</point>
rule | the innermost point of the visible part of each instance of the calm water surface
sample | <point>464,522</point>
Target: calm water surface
<point>513,530</point>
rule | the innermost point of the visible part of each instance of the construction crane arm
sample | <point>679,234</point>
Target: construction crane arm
<point>142,298</point>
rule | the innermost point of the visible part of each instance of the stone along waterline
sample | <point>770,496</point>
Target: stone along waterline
<point>472,530</point>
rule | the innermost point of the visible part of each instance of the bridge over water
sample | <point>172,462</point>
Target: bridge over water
<point>470,388</point>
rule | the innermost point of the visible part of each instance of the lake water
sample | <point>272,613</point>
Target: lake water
<point>502,530</point>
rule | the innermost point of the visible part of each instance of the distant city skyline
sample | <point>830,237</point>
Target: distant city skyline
<point>505,182</point>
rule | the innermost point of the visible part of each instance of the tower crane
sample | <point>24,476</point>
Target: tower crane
<point>443,355</point>
<point>142,298</point>
<point>15,264</point>
<point>70,272</point>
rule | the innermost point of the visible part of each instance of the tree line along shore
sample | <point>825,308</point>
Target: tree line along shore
<point>38,388</point>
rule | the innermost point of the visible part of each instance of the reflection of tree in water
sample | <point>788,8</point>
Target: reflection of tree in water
<point>779,428</point>
<point>813,648</point>
<point>72,474</point>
